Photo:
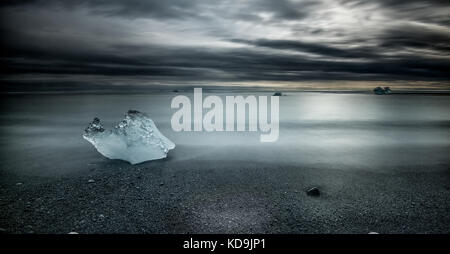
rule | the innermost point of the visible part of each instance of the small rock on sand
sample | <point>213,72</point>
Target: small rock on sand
<point>314,191</point>
<point>91,181</point>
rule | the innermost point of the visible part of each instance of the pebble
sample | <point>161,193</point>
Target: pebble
<point>72,233</point>
<point>313,192</point>
<point>91,181</point>
<point>18,184</point>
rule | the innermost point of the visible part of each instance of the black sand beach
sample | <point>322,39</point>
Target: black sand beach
<point>381,167</point>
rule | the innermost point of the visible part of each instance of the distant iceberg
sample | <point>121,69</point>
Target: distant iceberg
<point>136,139</point>
<point>381,91</point>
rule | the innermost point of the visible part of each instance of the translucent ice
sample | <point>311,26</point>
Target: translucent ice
<point>136,139</point>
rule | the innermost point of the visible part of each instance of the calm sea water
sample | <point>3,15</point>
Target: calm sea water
<point>41,134</point>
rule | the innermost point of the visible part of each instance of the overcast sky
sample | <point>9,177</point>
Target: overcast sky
<point>249,42</point>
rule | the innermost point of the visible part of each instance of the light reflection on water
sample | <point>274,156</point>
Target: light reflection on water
<point>42,134</point>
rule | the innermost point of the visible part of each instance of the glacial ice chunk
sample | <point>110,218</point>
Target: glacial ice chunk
<point>379,90</point>
<point>136,139</point>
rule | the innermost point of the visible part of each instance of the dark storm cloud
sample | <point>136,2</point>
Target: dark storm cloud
<point>176,9</point>
<point>209,41</point>
<point>285,9</point>
<point>416,37</point>
<point>130,8</point>
<point>224,65</point>
<point>431,11</point>
<point>314,48</point>
<point>402,4</point>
